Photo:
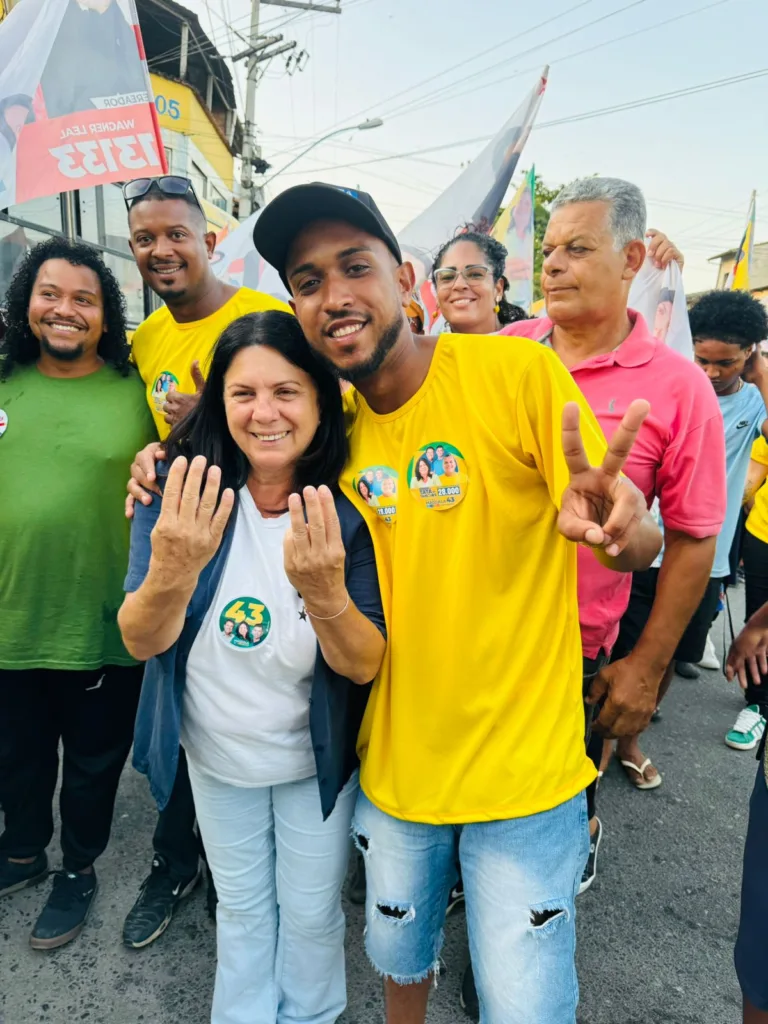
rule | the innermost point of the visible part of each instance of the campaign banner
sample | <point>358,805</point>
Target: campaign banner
<point>514,229</point>
<point>660,296</point>
<point>76,106</point>
<point>477,194</point>
<point>475,197</point>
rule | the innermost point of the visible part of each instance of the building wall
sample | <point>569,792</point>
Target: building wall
<point>183,117</point>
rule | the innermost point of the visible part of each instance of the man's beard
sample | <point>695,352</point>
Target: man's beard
<point>355,374</point>
<point>64,355</point>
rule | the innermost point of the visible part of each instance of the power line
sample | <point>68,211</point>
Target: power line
<point>388,113</point>
<point>422,103</point>
<point>573,118</point>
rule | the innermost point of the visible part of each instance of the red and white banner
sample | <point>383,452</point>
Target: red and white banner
<point>76,106</point>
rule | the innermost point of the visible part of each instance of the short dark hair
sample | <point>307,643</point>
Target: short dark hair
<point>205,432</point>
<point>733,317</point>
<point>666,295</point>
<point>20,347</point>
<point>155,195</point>
<point>496,254</point>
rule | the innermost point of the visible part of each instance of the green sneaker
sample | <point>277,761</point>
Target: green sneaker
<point>747,730</point>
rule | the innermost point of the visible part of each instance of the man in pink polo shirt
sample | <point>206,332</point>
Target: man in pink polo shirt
<point>593,248</point>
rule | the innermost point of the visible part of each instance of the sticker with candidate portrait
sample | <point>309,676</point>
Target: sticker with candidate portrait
<point>437,476</point>
<point>165,382</point>
<point>245,623</point>
<point>378,487</point>
<point>3,421</point>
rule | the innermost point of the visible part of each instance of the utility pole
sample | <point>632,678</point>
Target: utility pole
<point>249,128</point>
<point>257,52</point>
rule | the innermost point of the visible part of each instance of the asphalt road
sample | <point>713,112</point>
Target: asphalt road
<point>656,931</point>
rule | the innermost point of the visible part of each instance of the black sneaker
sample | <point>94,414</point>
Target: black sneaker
<point>356,888</point>
<point>158,898</point>
<point>211,896</point>
<point>65,913</point>
<point>686,670</point>
<point>18,876</point>
<point>469,1001</point>
<point>455,897</point>
<point>590,871</point>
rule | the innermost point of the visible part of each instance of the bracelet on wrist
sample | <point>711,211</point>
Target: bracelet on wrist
<point>327,618</point>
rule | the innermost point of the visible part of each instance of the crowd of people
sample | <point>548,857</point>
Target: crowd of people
<point>250,620</point>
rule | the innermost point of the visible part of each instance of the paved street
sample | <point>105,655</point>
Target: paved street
<point>656,932</point>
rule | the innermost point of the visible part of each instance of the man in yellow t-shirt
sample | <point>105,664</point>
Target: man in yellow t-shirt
<point>173,249</point>
<point>472,747</point>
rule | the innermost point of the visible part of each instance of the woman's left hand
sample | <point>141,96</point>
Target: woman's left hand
<point>314,552</point>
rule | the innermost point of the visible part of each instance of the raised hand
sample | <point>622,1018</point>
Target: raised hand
<point>600,507</point>
<point>189,529</point>
<point>179,403</point>
<point>662,251</point>
<point>314,553</point>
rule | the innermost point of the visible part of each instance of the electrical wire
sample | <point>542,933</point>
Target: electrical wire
<point>455,67</point>
<point>573,118</point>
<point>388,114</point>
<point>424,102</point>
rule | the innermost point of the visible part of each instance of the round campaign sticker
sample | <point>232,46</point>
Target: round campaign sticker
<point>437,476</point>
<point>3,421</point>
<point>165,382</point>
<point>245,623</point>
<point>378,487</point>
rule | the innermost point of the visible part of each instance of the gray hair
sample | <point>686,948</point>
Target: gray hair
<point>628,213</point>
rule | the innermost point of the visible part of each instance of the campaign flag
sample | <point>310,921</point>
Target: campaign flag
<point>739,278</point>
<point>659,296</point>
<point>514,229</point>
<point>76,105</point>
<point>477,194</point>
<point>474,198</point>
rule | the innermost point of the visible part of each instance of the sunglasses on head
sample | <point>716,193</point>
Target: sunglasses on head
<point>168,184</point>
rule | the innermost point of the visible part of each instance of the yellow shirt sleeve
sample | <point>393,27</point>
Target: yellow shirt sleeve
<point>545,389</point>
<point>760,451</point>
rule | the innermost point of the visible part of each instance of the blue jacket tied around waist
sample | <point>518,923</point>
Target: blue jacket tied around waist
<point>336,705</point>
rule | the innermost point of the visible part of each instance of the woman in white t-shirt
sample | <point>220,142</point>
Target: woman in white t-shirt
<point>261,629</point>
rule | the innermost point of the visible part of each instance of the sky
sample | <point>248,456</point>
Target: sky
<point>448,73</point>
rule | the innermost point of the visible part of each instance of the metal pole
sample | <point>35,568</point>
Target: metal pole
<point>249,128</point>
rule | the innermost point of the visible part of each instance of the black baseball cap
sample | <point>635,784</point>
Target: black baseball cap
<point>288,214</point>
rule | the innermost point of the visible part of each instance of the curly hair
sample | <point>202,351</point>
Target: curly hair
<point>496,254</point>
<point>735,318</point>
<point>19,346</point>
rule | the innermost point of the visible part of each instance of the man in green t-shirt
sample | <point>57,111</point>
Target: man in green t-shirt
<point>72,412</point>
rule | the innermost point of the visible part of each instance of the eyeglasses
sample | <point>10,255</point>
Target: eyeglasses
<point>472,274</point>
<point>169,184</point>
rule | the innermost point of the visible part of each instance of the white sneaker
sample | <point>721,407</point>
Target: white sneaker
<point>747,730</point>
<point>710,659</point>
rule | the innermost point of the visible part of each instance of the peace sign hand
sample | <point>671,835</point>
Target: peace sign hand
<point>189,528</point>
<point>314,552</point>
<point>600,507</point>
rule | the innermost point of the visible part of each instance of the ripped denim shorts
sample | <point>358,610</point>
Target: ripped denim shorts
<point>520,880</point>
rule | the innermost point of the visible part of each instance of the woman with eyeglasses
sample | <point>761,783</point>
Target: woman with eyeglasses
<point>469,281</point>
<point>253,596</point>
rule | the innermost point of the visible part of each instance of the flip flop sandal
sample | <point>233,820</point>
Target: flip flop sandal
<point>639,780</point>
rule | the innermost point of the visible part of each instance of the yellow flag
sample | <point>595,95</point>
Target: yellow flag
<point>741,268</point>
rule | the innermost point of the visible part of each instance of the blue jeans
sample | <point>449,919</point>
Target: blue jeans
<point>269,848</point>
<point>520,881</point>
